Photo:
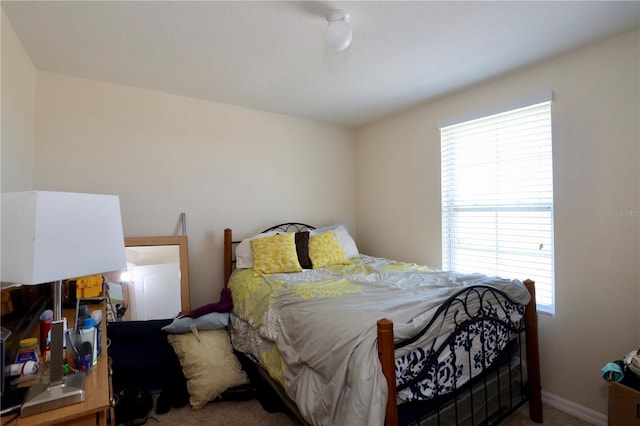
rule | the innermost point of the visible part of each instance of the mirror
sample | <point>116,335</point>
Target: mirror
<point>156,282</point>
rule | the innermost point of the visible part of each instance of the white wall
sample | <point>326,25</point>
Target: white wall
<point>596,149</point>
<point>18,111</point>
<point>163,154</point>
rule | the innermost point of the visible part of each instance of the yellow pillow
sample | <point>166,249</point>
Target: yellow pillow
<point>325,250</point>
<point>275,254</point>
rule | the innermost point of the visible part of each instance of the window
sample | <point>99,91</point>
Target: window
<point>497,197</point>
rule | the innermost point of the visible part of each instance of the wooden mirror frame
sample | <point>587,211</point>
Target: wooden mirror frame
<point>182,242</point>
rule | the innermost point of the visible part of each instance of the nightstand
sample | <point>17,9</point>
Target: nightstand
<point>624,405</point>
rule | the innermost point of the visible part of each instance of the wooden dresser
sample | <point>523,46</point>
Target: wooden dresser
<point>624,405</point>
<point>97,388</point>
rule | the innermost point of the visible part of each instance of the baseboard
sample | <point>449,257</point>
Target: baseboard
<point>576,410</point>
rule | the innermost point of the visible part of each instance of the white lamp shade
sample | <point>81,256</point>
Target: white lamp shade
<point>51,236</point>
<point>338,34</point>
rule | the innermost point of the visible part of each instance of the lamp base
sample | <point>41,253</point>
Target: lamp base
<point>44,396</point>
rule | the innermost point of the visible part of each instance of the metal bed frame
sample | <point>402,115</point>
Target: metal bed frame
<point>488,398</point>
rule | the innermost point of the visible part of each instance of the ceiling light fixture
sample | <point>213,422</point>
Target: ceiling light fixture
<point>339,32</point>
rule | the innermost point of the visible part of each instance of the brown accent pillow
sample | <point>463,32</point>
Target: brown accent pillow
<point>302,248</point>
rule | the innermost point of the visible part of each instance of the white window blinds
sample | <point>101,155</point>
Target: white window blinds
<point>497,197</point>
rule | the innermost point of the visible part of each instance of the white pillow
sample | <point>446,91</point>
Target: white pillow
<point>244,255</point>
<point>344,238</point>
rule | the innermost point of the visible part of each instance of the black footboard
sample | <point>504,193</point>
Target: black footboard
<point>474,375</point>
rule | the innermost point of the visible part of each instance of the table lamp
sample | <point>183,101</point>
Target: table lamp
<point>53,236</point>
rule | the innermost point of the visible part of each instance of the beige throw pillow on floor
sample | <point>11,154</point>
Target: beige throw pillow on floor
<point>208,363</point>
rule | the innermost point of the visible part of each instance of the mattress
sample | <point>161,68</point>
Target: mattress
<point>314,332</point>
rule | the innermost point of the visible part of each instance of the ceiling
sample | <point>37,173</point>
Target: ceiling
<point>270,55</point>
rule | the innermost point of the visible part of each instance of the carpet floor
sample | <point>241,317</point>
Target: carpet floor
<point>231,413</point>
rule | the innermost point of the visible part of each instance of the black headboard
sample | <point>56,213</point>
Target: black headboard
<point>291,227</point>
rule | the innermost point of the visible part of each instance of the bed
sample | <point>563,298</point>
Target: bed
<point>371,341</point>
